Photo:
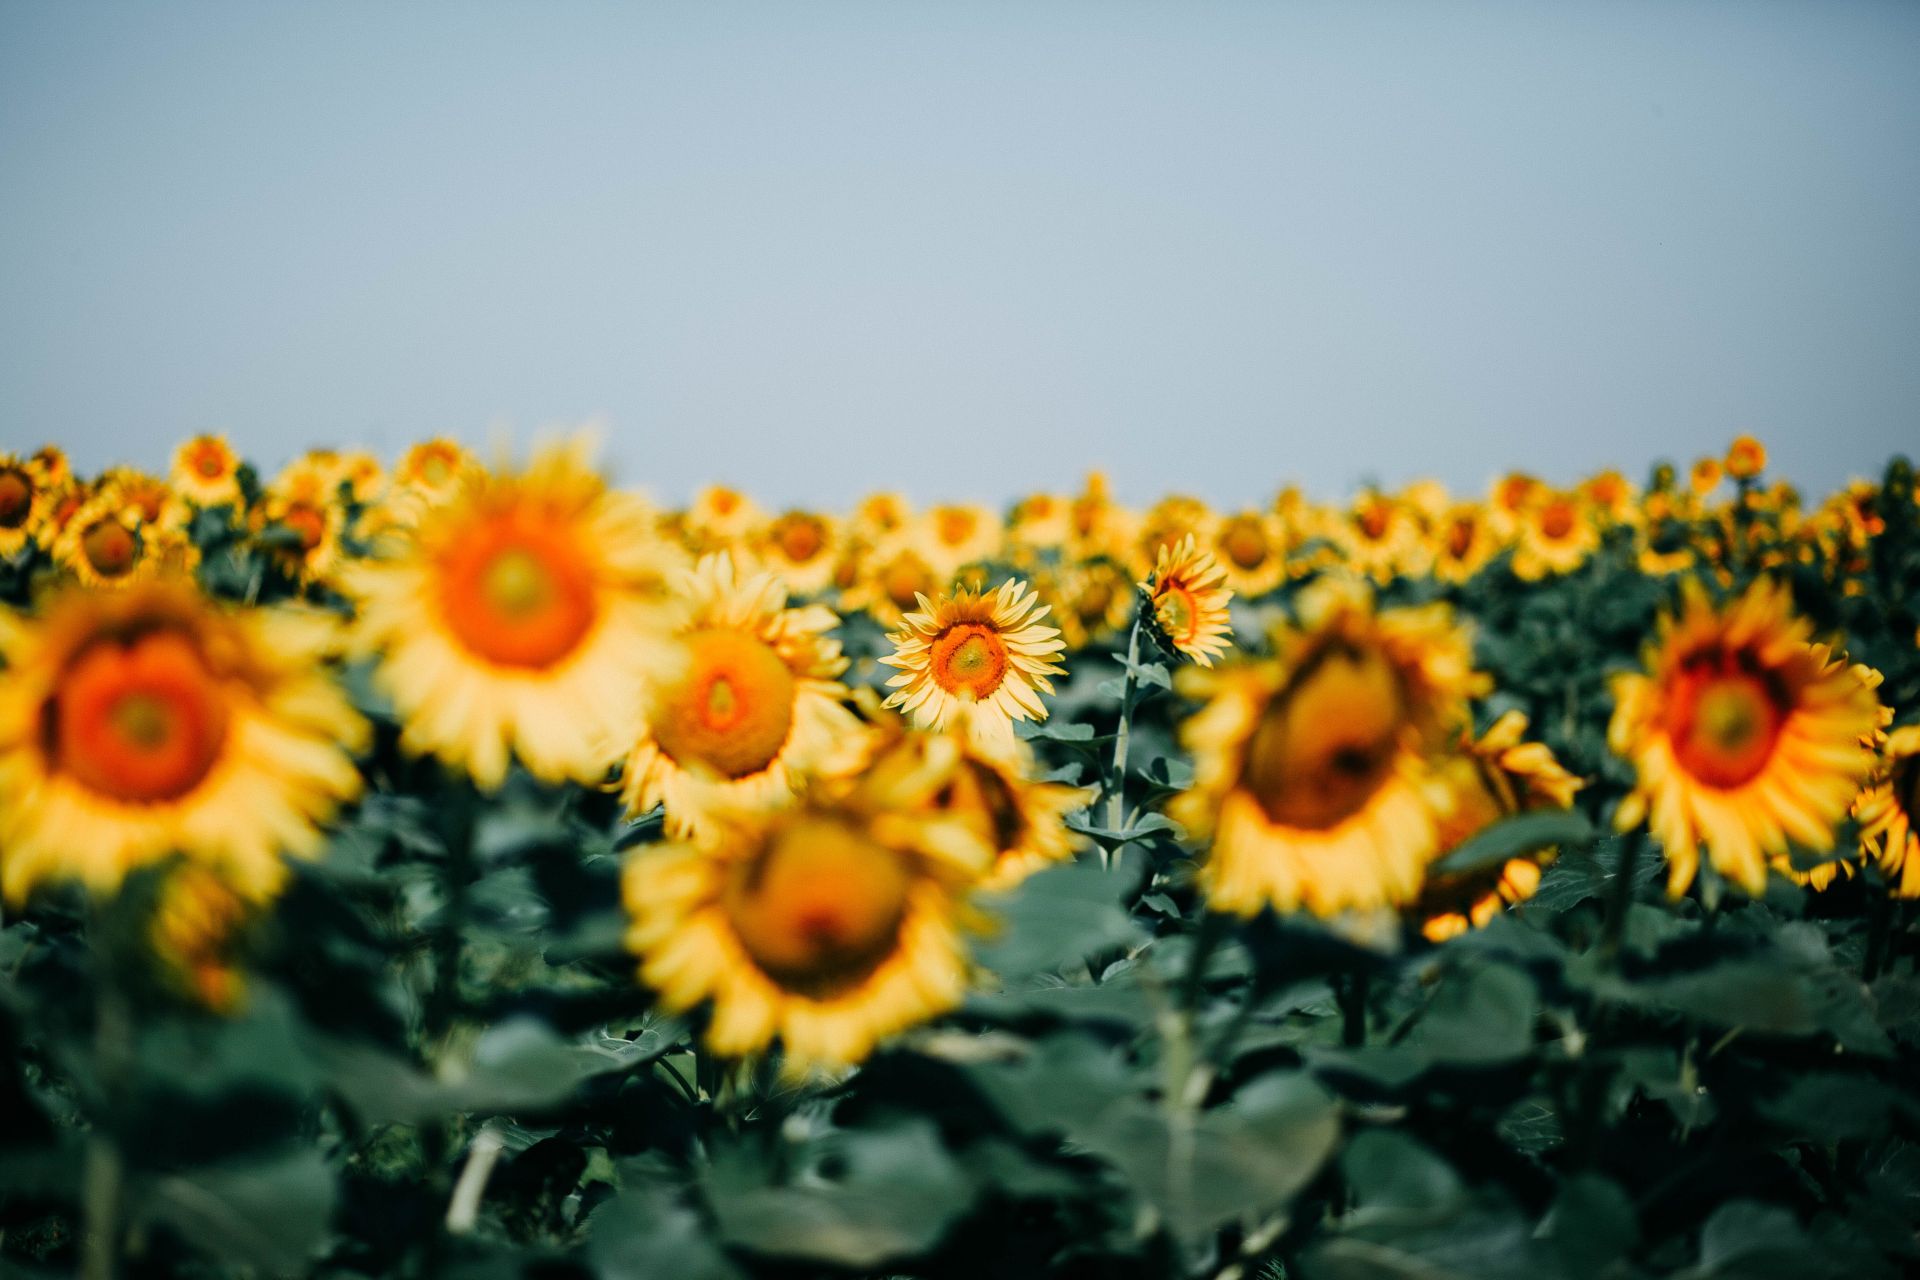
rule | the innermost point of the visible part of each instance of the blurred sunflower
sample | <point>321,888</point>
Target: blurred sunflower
<point>1097,526</point>
<point>158,506</point>
<point>206,472</point>
<point>956,534</point>
<point>742,703</point>
<point>309,524</point>
<point>1092,601</point>
<point>194,933</point>
<point>889,579</point>
<point>879,514</point>
<point>975,659</point>
<point>720,518</point>
<point>1309,765</point>
<point>1462,540</point>
<point>1187,602</point>
<point>516,619</point>
<point>24,502</point>
<point>828,926</point>
<point>104,544</point>
<point>1040,521</point>
<point>803,548</point>
<point>49,462</point>
<point>1705,476</point>
<point>1249,549</point>
<point>139,723</point>
<point>1746,458</point>
<point>433,471</point>
<point>1611,497</point>
<point>1382,539</point>
<point>1554,536</point>
<point>1744,736</point>
<point>1483,782</point>
<point>1888,811</point>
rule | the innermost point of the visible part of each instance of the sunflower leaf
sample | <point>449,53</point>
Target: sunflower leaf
<point>1515,837</point>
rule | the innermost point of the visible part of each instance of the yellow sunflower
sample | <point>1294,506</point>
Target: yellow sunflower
<point>1888,811</point>
<point>194,931</point>
<point>1250,551</point>
<point>1483,782</point>
<point>1309,766</point>
<point>1092,601</point>
<point>144,722</point>
<point>827,926</point>
<point>1189,602</point>
<point>720,518</point>
<point>50,463</point>
<point>1555,536</point>
<point>803,548</point>
<point>1040,521</point>
<point>1746,458</point>
<point>957,534</point>
<point>1382,538</point>
<point>1612,497</point>
<point>104,544</point>
<point>1098,527</point>
<point>1744,736</point>
<point>158,506</point>
<point>206,472</point>
<point>1462,541</point>
<point>880,514</point>
<point>313,523</point>
<point>24,502</point>
<point>434,471</point>
<point>742,704</point>
<point>889,579</point>
<point>1705,476</point>
<point>979,660</point>
<point>516,619</point>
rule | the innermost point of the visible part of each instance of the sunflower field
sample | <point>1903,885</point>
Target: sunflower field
<point>474,870</point>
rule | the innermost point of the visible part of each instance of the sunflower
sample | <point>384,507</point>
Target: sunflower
<point>803,548</point>
<point>880,514</point>
<point>1097,526</point>
<point>978,659</point>
<point>25,502</point>
<point>1249,549</point>
<point>1040,521</point>
<point>889,579</point>
<point>1092,601</point>
<point>144,722</point>
<point>1743,735</point>
<point>1483,782</point>
<point>1555,536</point>
<point>153,499</point>
<point>828,926</point>
<point>206,472</point>
<point>50,463</point>
<point>1746,458</point>
<point>1888,811</point>
<point>1462,540</point>
<point>1309,766</point>
<point>956,535</point>
<point>194,930</point>
<point>744,702</point>
<point>310,522</point>
<point>1612,497</point>
<point>1382,538</point>
<point>105,544</point>
<point>1705,476</point>
<point>1188,602</point>
<point>516,619</point>
<point>720,518</point>
<point>433,471</point>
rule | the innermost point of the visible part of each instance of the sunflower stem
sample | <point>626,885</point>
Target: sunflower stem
<point>1615,930</point>
<point>1117,775</point>
<point>1353,1009</point>
<point>103,1188</point>
<point>1873,957</point>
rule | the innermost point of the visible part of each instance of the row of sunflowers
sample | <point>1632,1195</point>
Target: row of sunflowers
<point>1235,858</point>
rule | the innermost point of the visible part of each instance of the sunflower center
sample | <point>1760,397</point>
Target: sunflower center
<point>903,582</point>
<point>1373,520</point>
<point>518,592</point>
<point>308,522</point>
<point>1176,612</point>
<point>1244,545</point>
<point>800,538</point>
<point>1727,720</point>
<point>111,548</point>
<point>1556,521</point>
<point>208,462</point>
<point>16,499</point>
<point>1322,750</point>
<point>955,526</point>
<point>969,660</point>
<point>982,798</point>
<point>1460,538</point>
<point>141,721</point>
<point>820,908</point>
<point>731,709</point>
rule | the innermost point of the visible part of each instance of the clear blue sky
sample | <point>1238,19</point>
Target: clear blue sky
<point>969,249</point>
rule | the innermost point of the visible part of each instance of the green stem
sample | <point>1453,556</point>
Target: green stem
<point>104,1180</point>
<point>1117,775</point>
<point>443,1002</point>
<point>1873,957</point>
<point>1615,930</point>
<point>1353,1009</point>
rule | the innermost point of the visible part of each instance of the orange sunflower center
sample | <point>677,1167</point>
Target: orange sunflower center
<point>1374,519</point>
<point>1725,718</point>
<point>955,526</point>
<point>1460,537</point>
<point>1324,748</point>
<point>210,461</point>
<point>1244,544</point>
<point>307,521</point>
<point>731,709</point>
<point>140,721</point>
<point>518,591</point>
<point>111,548</point>
<point>902,580</point>
<point>16,498</point>
<point>820,908</point>
<point>800,538</point>
<point>1557,520</point>
<point>1175,609</point>
<point>969,660</point>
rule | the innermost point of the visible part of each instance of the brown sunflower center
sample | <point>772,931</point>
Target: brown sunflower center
<point>1556,520</point>
<point>1176,611</point>
<point>731,708</point>
<point>820,908</point>
<point>111,548</point>
<point>1374,519</point>
<point>969,660</point>
<point>307,521</point>
<point>1460,537</point>
<point>1244,544</point>
<point>1324,748</point>
<point>518,591</point>
<point>800,538</point>
<point>1726,719</point>
<point>16,498</point>
<point>955,526</point>
<point>209,461</point>
<point>140,721</point>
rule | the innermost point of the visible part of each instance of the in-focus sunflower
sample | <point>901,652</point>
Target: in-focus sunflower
<point>1309,766</point>
<point>1744,736</point>
<point>516,620</point>
<point>24,502</point>
<point>827,926</point>
<point>1554,536</point>
<point>742,703</point>
<point>1188,602</point>
<point>1481,783</point>
<point>1250,551</point>
<point>206,472</point>
<point>1888,811</point>
<point>978,660</point>
<point>144,722</point>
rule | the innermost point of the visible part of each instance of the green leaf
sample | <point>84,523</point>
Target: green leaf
<point>1591,1225</point>
<point>1144,827</point>
<point>1758,1242</point>
<point>1057,918</point>
<point>1515,837</point>
<point>1485,1016</point>
<point>271,1215</point>
<point>644,1234</point>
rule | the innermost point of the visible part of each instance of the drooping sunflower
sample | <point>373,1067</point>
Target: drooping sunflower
<point>1482,782</point>
<point>1188,602</point>
<point>742,703</point>
<point>1555,536</point>
<point>1888,811</point>
<point>139,723</point>
<point>517,619</point>
<point>1250,551</point>
<point>1309,766</point>
<point>206,472</point>
<point>24,502</point>
<point>827,926</point>
<point>979,660</point>
<point>1744,736</point>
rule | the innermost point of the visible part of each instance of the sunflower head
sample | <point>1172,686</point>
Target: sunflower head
<point>194,932</point>
<point>1555,535</point>
<point>1746,458</point>
<point>803,547</point>
<point>1250,552</point>
<point>1187,601</point>
<point>1744,735</point>
<point>24,501</point>
<point>1888,811</point>
<point>976,659</point>
<point>206,471</point>
<point>104,543</point>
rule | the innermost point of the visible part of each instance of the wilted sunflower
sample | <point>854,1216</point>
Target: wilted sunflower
<point>1483,782</point>
<point>24,502</point>
<point>1188,600</point>
<point>1744,736</point>
<point>516,620</point>
<point>827,926</point>
<point>1554,536</point>
<point>741,704</point>
<point>979,660</point>
<point>139,723</point>
<point>206,472</point>
<point>1309,765</point>
<point>1888,811</point>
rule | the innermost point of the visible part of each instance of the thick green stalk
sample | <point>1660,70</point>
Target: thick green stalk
<point>1117,775</point>
<point>103,1189</point>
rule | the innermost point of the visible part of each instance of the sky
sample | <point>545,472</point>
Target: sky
<point>969,250</point>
